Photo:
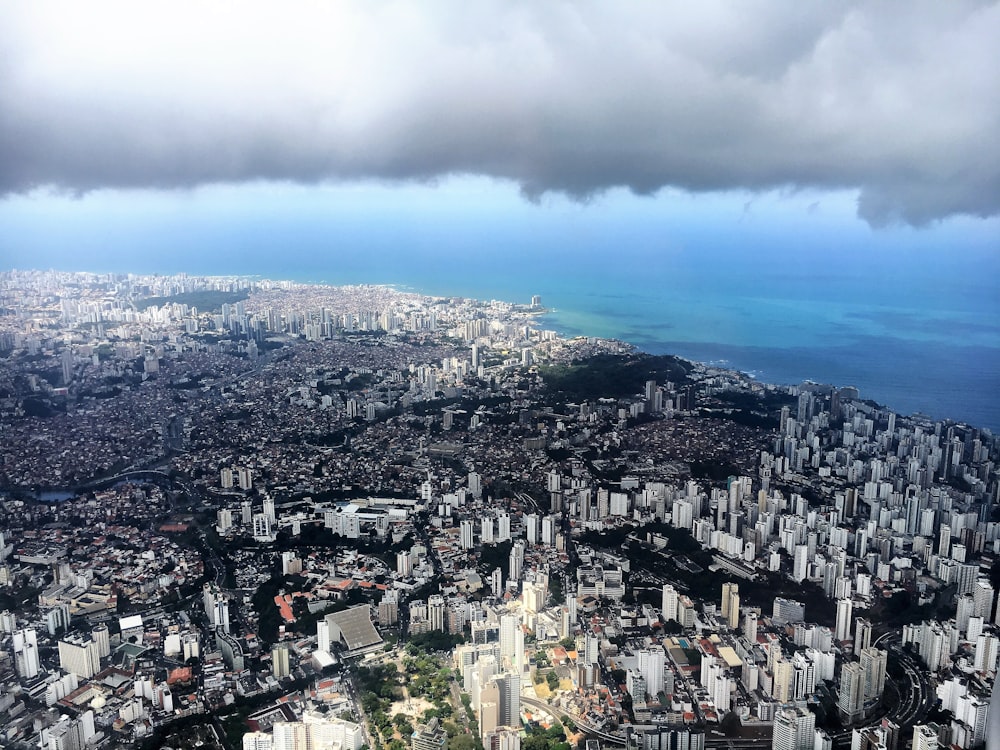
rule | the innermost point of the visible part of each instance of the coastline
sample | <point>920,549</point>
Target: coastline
<point>941,380</point>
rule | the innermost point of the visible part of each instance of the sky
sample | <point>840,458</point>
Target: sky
<point>133,132</point>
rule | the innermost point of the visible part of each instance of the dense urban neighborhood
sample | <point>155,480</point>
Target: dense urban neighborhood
<point>244,513</point>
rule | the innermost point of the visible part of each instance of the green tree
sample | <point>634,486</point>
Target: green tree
<point>555,732</point>
<point>535,741</point>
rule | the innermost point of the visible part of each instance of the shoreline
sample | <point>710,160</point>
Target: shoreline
<point>946,382</point>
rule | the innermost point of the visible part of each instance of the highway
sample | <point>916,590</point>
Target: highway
<point>582,724</point>
<point>916,696</point>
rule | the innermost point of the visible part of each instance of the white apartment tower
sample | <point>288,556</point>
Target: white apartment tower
<point>670,603</point>
<point>26,653</point>
<point>731,604</point>
<point>844,612</point>
<point>873,664</point>
<point>794,729</point>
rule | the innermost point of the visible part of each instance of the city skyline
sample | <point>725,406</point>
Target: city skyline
<point>273,468</point>
<point>458,376</point>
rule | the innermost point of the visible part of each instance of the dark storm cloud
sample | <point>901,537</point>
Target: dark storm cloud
<point>900,102</point>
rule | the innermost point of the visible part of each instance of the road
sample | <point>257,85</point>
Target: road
<point>916,696</point>
<point>582,724</point>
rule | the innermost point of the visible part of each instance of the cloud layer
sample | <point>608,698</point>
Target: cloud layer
<point>901,102</point>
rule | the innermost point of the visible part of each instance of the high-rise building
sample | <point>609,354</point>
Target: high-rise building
<point>216,604</point>
<point>925,737</point>
<point>873,664</point>
<point>944,540</point>
<point>783,684</point>
<point>102,638</point>
<point>750,623</point>
<point>882,737</point>
<point>429,736</point>
<point>986,653</point>
<point>651,664</point>
<point>26,661</point>
<point>731,604</point>
<point>388,608</point>
<point>8,620</point>
<point>549,530</point>
<point>862,634</point>
<point>635,684</point>
<point>280,661</point>
<point>982,594</point>
<point>262,527</point>
<point>591,649</point>
<point>851,698</point>
<point>67,365</point>
<point>404,563</point>
<point>531,528</point>
<point>509,687</point>
<point>800,570</point>
<point>794,729</point>
<point>516,561</point>
<point>69,734</point>
<point>245,479</point>
<point>510,627</point>
<point>289,736</point>
<point>503,739</point>
<point>669,604</point>
<point>503,527</point>
<point>475,485</point>
<point>784,611</point>
<point>466,534</point>
<point>79,654</point>
<point>435,612</point>
<point>258,741</point>
<point>486,530</point>
<point>844,612</point>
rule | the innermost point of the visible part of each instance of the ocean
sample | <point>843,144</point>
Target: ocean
<point>916,337</point>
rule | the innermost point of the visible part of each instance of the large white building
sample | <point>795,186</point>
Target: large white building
<point>669,604</point>
<point>80,655</point>
<point>794,729</point>
<point>69,734</point>
<point>26,653</point>
<point>651,665</point>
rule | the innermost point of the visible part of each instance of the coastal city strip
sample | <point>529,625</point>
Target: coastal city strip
<point>244,513</point>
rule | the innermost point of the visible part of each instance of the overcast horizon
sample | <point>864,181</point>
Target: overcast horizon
<point>897,111</point>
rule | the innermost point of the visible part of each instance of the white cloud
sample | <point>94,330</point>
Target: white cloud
<point>900,104</point>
